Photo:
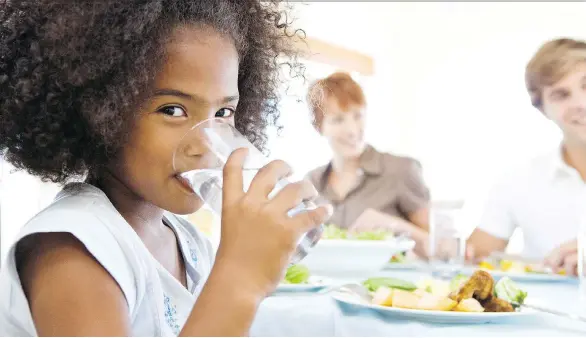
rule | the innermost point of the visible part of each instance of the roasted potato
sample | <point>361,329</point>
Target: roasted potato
<point>405,299</point>
<point>435,303</point>
<point>383,296</point>
<point>469,305</point>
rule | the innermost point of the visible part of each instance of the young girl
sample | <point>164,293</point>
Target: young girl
<point>102,92</point>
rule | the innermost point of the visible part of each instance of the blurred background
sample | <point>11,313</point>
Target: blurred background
<point>444,84</point>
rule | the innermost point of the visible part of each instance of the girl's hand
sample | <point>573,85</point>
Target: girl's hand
<point>257,236</point>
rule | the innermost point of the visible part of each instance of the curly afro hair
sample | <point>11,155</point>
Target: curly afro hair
<point>72,73</point>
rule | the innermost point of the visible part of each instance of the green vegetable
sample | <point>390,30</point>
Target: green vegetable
<point>372,235</point>
<point>297,274</point>
<point>373,284</point>
<point>506,289</point>
<point>333,232</point>
<point>457,282</point>
<point>398,258</point>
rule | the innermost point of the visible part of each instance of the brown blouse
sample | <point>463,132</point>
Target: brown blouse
<point>388,183</point>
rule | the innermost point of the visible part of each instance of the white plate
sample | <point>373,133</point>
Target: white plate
<point>299,287</point>
<point>314,284</point>
<point>523,277</point>
<point>405,266</point>
<point>440,317</point>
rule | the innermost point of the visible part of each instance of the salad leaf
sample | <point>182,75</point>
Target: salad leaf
<point>457,282</point>
<point>374,283</point>
<point>297,274</point>
<point>371,235</point>
<point>333,232</point>
<point>507,290</point>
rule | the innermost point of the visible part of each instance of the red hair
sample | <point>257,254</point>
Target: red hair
<point>339,86</point>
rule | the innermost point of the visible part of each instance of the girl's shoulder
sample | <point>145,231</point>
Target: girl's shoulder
<point>84,212</point>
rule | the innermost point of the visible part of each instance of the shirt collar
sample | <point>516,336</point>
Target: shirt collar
<point>370,163</point>
<point>559,166</point>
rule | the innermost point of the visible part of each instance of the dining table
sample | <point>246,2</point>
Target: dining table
<point>305,314</point>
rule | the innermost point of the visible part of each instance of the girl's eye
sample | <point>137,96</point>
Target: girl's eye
<point>225,112</point>
<point>174,111</point>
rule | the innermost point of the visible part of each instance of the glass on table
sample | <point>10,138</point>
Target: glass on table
<point>447,241</point>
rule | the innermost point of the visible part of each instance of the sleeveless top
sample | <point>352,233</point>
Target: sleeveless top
<point>158,304</point>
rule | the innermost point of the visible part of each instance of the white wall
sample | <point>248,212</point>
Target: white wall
<point>21,197</point>
<point>458,73</point>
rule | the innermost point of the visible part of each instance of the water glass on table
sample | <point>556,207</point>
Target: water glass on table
<point>447,242</point>
<point>200,158</point>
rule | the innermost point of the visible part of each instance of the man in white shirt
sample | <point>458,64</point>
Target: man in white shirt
<point>544,197</point>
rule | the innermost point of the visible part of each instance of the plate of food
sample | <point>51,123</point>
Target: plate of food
<point>403,261</point>
<point>519,270</point>
<point>469,300</point>
<point>299,279</point>
<point>342,252</point>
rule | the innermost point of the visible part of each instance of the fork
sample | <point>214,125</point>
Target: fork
<point>552,311</point>
<point>351,288</point>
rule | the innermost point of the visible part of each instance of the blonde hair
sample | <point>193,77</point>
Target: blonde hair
<point>552,62</point>
<point>339,86</point>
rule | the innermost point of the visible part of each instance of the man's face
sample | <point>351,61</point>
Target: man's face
<point>564,103</point>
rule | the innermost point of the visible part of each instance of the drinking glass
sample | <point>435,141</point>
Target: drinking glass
<point>447,242</point>
<point>200,159</point>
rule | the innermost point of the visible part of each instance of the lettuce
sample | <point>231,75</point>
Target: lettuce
<point>333,232</point>
<point>374,283</point>
<point>297,274</point>
<point>506,289</point>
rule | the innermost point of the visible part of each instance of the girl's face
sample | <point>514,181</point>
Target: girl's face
<point>199,80</point>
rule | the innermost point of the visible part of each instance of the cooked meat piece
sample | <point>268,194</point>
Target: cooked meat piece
<point>494,304</point>
<point>479,286</point>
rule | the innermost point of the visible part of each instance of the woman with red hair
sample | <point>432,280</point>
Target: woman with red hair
<point>369,189</point>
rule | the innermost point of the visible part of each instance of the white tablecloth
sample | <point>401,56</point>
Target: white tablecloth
<point>290,315</point>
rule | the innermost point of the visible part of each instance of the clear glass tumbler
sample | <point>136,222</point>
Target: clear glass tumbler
<point>200,159</point>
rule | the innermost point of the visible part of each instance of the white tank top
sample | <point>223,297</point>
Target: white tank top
<point>158,304</point>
